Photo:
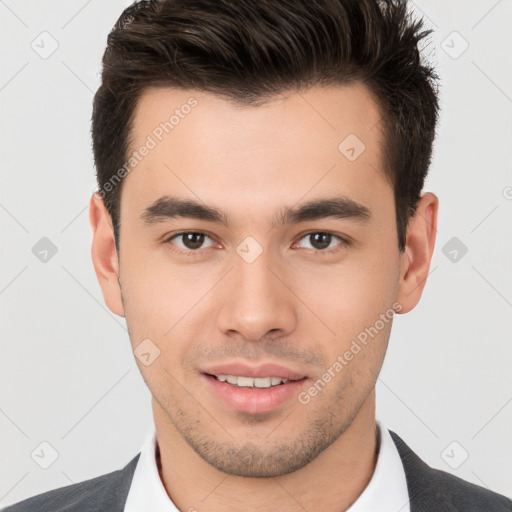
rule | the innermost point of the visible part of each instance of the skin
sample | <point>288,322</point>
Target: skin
<point>292,305</point>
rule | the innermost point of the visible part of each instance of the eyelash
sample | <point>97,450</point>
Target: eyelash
<point>191,252</point>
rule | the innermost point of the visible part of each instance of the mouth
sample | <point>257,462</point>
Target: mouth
<point>252,382</point>
<point>253,390</point>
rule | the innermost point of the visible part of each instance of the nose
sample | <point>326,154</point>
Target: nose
<point>257,301</point>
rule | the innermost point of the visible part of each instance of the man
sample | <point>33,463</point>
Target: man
<point>259,222</point>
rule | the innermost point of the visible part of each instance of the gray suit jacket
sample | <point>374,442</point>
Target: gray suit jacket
<point>430,490</point>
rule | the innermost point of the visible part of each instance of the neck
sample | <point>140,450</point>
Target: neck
<point>331,482</point>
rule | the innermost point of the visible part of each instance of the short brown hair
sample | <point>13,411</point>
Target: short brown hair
<point>249,51</point>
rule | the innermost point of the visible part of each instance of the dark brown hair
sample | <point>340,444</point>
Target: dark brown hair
<point>249,51</point>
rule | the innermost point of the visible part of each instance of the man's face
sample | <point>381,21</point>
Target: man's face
<point>260,290</point>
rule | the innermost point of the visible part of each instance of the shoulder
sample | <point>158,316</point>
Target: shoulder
<point>105,492</point>
<point>438,491</point>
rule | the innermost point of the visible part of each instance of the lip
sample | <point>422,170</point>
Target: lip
<point>263,370</point>
<point>254,400</point>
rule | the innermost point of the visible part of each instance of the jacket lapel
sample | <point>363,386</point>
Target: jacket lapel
<point>434,490</point>
<point>112,496</point>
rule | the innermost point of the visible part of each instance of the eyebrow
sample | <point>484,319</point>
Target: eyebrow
<point>340,207</point>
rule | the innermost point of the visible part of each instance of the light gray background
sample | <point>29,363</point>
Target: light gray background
<point>67,374</point>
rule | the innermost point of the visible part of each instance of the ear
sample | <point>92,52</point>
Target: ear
<point>419,246</point>
<point>104,254</point>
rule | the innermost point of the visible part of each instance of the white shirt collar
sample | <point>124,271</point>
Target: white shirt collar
<point>386,491</point>
<point>147,492</point>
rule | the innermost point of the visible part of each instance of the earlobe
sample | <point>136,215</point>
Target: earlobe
<point>104,254</point>
<point>415,262</point>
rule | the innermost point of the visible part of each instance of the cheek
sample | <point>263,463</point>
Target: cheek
<point>350,296</point>
<point>166,304</point>
<point>154,292</point>
<point>148,304</point>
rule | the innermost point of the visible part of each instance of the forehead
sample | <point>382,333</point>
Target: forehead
<point>318,111</point>
<point>305,142</point>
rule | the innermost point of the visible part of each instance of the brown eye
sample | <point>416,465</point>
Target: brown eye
<point>321,240</point>
<point>190,240</point>
<point>193,240</point>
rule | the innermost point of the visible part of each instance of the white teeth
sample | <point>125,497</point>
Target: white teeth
<point>250,382</point>
<point>245,382</point>
<point>262,382</point>
<point>231,379</point>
